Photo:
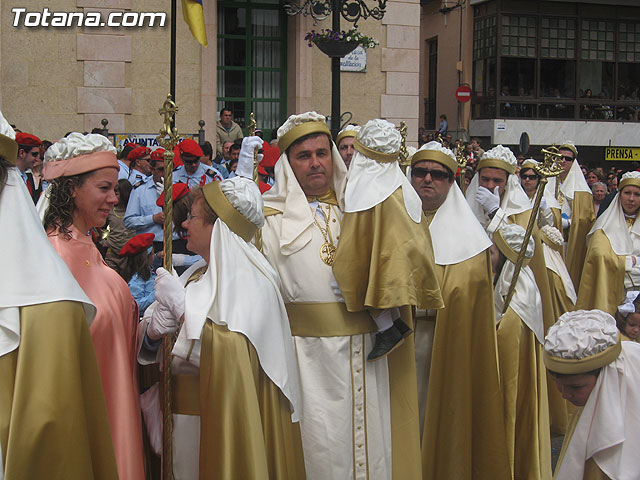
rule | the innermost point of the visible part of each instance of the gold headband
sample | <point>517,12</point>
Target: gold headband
<point>528,164</point>
<point>376,155</point>
<point>496,163</point>
<point>435,156</point>
<point>506,250</point>
<point>8,149</point>
<point>345,134</point>
<point>629,181</point>
<point>223,208</point>
<point>570,147</point>
<point>575,366</point>
<point>300,131</point>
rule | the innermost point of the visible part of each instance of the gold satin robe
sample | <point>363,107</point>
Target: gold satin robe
<point>245,420</point>
<point>53,413</point>
<point>524,386</point>
<point>582,218</point>
<point>463,435</point>
<point>602,284</point>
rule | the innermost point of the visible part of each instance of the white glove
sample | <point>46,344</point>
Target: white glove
<point>490,201</point>
<point>566,221</point>
<point>162,323</point>
<point>337,292</point>
<point>543,204</point>
<point>170,292</point>
<point>245,159</point>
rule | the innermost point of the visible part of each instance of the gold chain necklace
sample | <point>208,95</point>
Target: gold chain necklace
<point>327,249</point>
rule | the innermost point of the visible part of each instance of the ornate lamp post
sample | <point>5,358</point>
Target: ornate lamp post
<point>352,11</point>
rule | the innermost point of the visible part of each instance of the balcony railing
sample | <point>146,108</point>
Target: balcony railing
<point>600,109</point>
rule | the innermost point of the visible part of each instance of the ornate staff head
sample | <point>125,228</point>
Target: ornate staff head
<point>403,153</point>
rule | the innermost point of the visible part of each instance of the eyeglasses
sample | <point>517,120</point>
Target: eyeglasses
<point>191,217</point>
<point>568,159</point>
<point>435,174</point>
<point>533,176</point>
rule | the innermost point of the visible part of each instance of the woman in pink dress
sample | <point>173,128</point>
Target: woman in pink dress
<point>83,172</point>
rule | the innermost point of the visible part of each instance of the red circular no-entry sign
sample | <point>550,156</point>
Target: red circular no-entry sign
<point>463,93</point>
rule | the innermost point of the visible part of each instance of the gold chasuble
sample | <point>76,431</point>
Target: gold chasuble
<point>53,415</point>
<point>463,434</point>
<point>602,283</point>
<point>582,218</point>
<point>245,421</point>
<point>385,259</point>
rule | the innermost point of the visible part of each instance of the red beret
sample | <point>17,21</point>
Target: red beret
<point>190,147</point>
<point>263,186</point>
<point>177,161</point>
<point>27,140</point>
<point>137,244</point>
<point>157,155</point>
<point>179,190</point>
<point>138,152</point>
<point>131,145</point>
<point>271,155</point>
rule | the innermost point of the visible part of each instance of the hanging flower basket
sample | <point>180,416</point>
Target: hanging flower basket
<point>339,44</point>
<point>335,48</point>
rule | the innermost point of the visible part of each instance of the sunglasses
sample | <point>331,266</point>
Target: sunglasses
<point>568,159</point>
<point>191,162</point>
<point>533,176</point>
<point>435,174</point>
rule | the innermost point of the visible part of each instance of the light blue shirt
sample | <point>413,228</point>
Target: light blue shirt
<point>136,176</point>
<point>203,175</point>
<point>141,209</point>
<point>124,170</point>
<point>142,291</point>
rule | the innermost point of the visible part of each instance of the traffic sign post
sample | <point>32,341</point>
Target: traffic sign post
<point>463,93</point>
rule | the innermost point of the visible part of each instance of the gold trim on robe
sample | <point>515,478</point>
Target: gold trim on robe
<point>53,413</point>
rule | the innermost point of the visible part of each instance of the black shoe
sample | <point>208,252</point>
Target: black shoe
<point>386,342</point>
<point>403,328</point>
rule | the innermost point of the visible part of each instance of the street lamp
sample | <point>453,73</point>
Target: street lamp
<point>352,11</point>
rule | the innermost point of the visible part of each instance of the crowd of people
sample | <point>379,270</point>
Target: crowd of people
<point>344,316</point>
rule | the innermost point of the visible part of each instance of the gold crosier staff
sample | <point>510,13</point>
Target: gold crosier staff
<point>168,139</point>
<point>403,153</point>
<point>461,158</point>
<point>251,129</point>
<point>550,167</point>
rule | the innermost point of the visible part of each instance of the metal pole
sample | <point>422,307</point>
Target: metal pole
<point>335,74</point>
<point>172,75</point>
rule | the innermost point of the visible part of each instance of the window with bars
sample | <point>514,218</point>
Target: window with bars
<point>518,36</point>
<point>597,40</point>
<point>558,38</point>
<point>629,42</point>
<point>484,38</point>
<point>252,61</point>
